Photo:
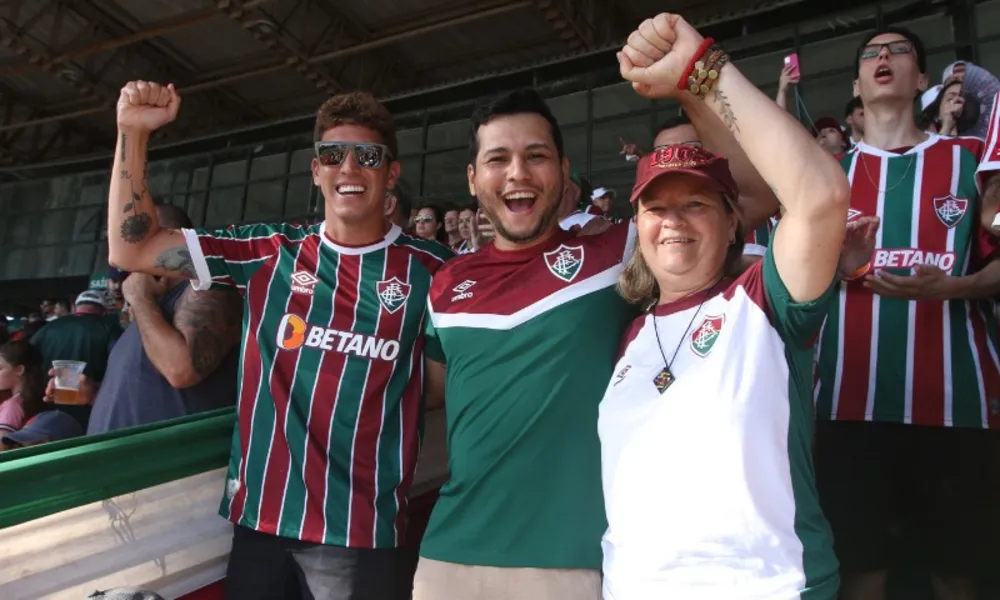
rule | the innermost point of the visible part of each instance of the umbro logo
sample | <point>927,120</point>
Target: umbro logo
<point>620,377</point>
<point>461,290</point>
<point>303,282</point>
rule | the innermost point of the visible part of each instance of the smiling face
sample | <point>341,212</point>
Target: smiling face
<point>684,233</point>
<point>518,177</point>
<point>888,70</point>
<point>354,194</point>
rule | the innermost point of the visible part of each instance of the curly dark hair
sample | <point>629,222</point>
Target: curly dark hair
<point>18,353</point>
<point>357,108</point>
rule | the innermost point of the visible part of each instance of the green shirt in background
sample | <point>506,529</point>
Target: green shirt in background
<point>79,337</point>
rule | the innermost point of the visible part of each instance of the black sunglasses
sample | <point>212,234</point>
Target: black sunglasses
<point>369,156</point>
<point>897,47</point>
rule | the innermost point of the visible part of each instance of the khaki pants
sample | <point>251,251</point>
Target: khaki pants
<point>436,580</point>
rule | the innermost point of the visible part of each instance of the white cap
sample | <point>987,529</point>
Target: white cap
<point>951,69</point>
<point>90,297</point>
<point>929,97</point>
<point>601,192</point>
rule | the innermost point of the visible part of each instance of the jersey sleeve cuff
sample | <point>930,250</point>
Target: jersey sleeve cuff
<point>754,250</point>
<point>204,281</point>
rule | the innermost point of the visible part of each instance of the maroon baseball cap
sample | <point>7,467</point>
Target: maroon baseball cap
<point>689,160</point>
<point>826,123</point>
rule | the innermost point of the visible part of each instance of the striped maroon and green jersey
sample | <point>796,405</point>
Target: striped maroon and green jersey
<point>757,240</point>
<point>331,378</point>
<point>922,362</point>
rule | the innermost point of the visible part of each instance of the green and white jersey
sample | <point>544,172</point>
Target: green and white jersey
<point>708,480</point>
<point>530,339</point>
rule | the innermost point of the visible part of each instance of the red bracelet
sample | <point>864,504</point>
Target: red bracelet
<point>705,44</point>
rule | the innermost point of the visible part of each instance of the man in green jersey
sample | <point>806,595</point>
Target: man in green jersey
<point>332,375</point>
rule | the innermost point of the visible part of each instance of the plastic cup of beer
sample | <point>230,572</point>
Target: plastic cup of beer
<point>67,375</point>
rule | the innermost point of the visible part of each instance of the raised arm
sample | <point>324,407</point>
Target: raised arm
<point>136,242</point>
<point>757,200</point>
<point>811,185</point>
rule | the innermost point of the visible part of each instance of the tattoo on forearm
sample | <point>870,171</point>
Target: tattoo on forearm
<point>125,174</point>
<point>123,148</point>
<point>211,323</point>
<point>728,117</point>
<point>137,226</point>
<point>177,259</point>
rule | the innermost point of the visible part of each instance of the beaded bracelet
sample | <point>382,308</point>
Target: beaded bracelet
<point>682,84</point>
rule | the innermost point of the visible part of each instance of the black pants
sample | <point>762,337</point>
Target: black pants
<point>907,496</point>
<point>267,567</point>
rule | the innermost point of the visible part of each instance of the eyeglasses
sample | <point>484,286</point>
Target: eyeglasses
<point>423,219</point>
<point>897,47</point>
<point>369,156</point>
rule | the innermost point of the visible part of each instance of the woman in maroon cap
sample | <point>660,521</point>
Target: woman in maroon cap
<point>706,426</point>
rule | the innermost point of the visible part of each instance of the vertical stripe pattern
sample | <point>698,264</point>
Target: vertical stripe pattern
<point>922,362</point>
<point>329,396</point>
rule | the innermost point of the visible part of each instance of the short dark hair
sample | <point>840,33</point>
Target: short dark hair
<point>451,207</point>
<point>516,102</point>
<point>852,105</point>
<point>357,108</point>
<point>173,217</point>
<point>918,46</point>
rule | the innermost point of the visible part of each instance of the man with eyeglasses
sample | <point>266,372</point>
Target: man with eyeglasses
<point>909,384</point>
<point>332,376</point>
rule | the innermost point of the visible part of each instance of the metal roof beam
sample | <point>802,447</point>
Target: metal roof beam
<point>295,58</point>
<point>581,24</point>
<point>171,61</point>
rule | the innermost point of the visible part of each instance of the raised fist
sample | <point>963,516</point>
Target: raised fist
<point>147,106</point>
<point>657,54</point>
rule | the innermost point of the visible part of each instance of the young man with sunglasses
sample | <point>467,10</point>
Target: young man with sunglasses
<point>909,381</point>
<point>332,378</point>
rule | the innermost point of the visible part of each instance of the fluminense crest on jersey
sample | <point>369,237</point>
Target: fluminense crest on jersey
<point>704,337</point>
<point>565,261</point>
<point>303,282</point>
<point>392,293</point>
<point>950,209</point>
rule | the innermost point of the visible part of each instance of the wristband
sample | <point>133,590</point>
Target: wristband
<point>682,84</point>
<point>858,273</point>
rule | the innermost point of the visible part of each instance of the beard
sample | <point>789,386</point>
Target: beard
<point>547,220</point>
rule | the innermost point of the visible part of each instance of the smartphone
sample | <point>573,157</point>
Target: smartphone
<point>793,60</point>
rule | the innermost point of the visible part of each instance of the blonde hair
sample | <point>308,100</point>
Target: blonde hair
<point>637,284</point>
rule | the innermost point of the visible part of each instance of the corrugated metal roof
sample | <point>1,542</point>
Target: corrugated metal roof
<point>396,46</point>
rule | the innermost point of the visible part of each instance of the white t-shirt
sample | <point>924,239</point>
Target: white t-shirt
<point>578,218</point>
<point>708,486</point>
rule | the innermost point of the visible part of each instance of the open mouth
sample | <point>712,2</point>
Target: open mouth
<point>677,241</point>
<point>883,74</point>
<point>351,190</point>
<point>519,202</point>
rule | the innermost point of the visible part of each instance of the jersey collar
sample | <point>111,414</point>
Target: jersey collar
<point>932,138</point>
<point>389,238</point>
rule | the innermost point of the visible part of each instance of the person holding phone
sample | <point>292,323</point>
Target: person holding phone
<point>790,76</point>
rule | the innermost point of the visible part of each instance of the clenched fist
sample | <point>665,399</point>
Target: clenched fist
<point>146,106</point>
<point>657,54</point>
